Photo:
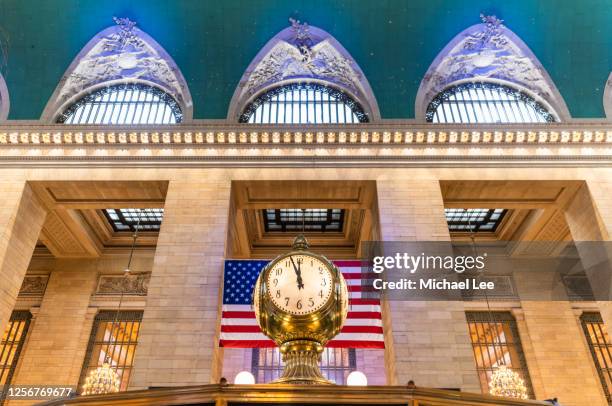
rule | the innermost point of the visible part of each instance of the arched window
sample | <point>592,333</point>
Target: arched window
<point>303,76</point>
<point>132,103</point>
<point>608,97</point>
<point>4,99</point>
<point>121,76</point>
<point>303,103</point>
<point>485,103</point>
<point>486,74</point>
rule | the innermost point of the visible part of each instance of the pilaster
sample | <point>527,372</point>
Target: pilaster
<point>58,339</point>
<point>178,340</point>
<point>21,219</point>
<point>427,342</point>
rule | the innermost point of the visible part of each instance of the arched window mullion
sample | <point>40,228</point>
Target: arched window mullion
<point>485,99</point>
<point>476,102</point>
<point>123,104</point>
<point>303,103</point>
<point>512,110</point>
<point>478,109</point>
<point>463,111</point>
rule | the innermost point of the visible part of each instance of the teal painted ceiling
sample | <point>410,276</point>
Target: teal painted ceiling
<point>393,41</point>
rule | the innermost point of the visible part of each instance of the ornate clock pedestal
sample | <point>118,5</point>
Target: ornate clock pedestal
<point>301,302</point>
<point>301,359</point>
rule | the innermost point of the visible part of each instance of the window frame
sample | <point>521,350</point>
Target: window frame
<point>591,318</point>
<point>16,316</point>
<point>519,95</point>
<point>109,316</point>
<point>153,226</point>
<point>276,369</point>
<point>475,226</point>
<point>90,95</point>
<point>342,98</point>
<point>500,317</point>
<point>296,226</point>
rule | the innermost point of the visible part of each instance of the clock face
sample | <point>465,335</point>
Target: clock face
<point>299,284</point>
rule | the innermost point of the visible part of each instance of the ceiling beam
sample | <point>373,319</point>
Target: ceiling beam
<point>86,204</point>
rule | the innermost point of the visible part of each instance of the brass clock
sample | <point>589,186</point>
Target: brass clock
<point>301,302</point>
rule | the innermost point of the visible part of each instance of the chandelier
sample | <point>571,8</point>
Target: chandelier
<point>504,382</point>
<point>105,379</point>
<point>507,383</point>
<point>102,380</point>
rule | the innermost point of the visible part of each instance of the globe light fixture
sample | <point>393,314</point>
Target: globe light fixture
<point>356,378</point>
<point>507,383</point>
<point>101,380</point>
<point>244,378</point>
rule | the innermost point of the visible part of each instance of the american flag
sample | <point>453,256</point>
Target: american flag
<point>239,329</point>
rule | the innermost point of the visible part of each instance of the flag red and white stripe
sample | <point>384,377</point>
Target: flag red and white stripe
<point>363,327</point>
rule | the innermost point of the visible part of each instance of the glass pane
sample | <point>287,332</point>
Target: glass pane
<point>474,219</point>
<point>130,218</point>
<point>124,104</point>
<point>303,103</point>
<point>495,342</point>
<point>601,349</point>
<point>485,103</point>
<point>11,345</point>
<point>319,220</point>
<point>118,348</point>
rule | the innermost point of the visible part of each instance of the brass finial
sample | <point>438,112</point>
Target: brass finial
<point>300,243</point>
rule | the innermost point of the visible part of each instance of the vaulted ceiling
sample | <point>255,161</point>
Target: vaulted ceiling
<point>393,41</point>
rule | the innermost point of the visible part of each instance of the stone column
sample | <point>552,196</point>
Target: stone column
<point>21,219</point>
<point>589,217</point>
<point>177,344</point>
<point>557,356</point>
<point>427,342</point>
<point>58,339</point>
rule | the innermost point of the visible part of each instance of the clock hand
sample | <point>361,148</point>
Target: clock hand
<point>299,279</point>
<point>300,283</point>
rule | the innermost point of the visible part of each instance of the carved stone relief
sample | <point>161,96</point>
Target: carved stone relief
<point>303,52</point>
<point>290,60</point>
<point>120,53</point>
<point>34,285</point>
<point>489,52</point>
<point>136,284</point>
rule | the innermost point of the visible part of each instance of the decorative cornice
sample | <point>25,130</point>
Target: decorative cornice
<point>361,134</point>
<point>388,144</point>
